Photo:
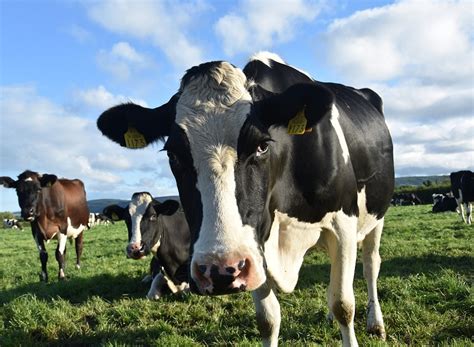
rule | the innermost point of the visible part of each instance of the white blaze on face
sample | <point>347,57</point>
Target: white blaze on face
<point>211,111</point>
<point>137,209</point>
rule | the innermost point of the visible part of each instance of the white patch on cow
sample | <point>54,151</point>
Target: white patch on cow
<point>62,239</point>
<point>267,57</point>
<point>286,246</point>
<point>73,232</point>
<point>28,179</point>
<point>211,111</point>
<point>340,134</point>
<point>155,289</point>
<point>154,249</point>
<point>366,222</point>
<point>137,209</point>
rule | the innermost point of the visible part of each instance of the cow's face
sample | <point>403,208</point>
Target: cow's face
<point>28,188</point>
<point>222,155</point>
<point>143,223</point>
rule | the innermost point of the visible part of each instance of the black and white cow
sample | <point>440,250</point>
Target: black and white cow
<point>160,229</point>
<point>444,203</point>
<point>98,219</point>
<point>269,163</point>
<point>11,223</point>
<point>462,186</point>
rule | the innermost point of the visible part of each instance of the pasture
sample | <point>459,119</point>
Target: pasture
<point>425,289</point>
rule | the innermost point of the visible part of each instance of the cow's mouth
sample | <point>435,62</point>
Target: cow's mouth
<point>137,254</point>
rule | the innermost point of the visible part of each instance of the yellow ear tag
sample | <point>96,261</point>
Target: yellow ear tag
<point>134,139</point>
<point>115,216</point>
<point>297,124</point>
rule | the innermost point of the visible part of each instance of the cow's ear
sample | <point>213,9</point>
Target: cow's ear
<point>134,126</point>
<point>167,208</point>
<point>114,212</point>
<point>298,108</point>
<point>7,182</point>
<point>47,180</point>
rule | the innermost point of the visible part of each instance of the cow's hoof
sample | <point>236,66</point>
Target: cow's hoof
<point>43,277</point>
<point>78,266</point>
<point>377,330</point>
<point>153,296</point>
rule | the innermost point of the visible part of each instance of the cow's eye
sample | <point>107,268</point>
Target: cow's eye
<point>153,217</point>
<point>261,149</point>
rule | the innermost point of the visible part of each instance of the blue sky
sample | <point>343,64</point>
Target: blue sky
<point>64,62</point>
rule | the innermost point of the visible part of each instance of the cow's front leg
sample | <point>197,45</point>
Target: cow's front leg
<point>267,309</point>
<point>156,288</point>
<point>371,261</point>
<point>43,254</point>
<point>61,254</point>
<point>342,248</point>
<point>79,243</point>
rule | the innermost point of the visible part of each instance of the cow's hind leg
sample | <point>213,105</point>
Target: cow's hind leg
<point>268,314</point>
<point>61,254</point>
<point>342,250</point>
<point>468,212</point>
<point>371,261</point>
<point>79,244</point>
<point>43,254</point>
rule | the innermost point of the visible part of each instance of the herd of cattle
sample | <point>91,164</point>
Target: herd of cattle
<point>268,163</point>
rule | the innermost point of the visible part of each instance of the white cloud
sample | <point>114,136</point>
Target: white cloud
<point>40,135</point>
<point>79,33</point>
<point>429,39</point>
<point>100,98</point>
<point>258,25</point>
<point>418,56</point>
<point>122,60</point>
<point>166,24</point>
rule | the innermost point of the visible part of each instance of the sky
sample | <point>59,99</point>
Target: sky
<point>62,63</point>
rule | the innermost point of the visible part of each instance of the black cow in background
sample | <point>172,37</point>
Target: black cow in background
<point>160,229</point>
<point>462,186</point>
<point>444,203</point>
<point>405,199</point>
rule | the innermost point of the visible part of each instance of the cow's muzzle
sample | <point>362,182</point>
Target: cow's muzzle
<point>136,250</point>
<point>224,278</point>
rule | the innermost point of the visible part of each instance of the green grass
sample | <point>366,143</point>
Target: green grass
<point>425,289</point>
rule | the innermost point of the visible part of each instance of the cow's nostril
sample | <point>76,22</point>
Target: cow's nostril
<point>230,269</point>
<point>241,264</point>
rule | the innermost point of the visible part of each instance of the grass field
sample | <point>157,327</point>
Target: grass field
<point>425,289</point>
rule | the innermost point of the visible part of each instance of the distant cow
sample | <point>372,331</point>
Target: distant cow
<point>160,229</point>
<point>270,163</point>
<point>10,223</point>
<point>56,208</point>
<point>99,219</point>
<point>444,203</point>
<point>405,199</point>
<point>462,186</point>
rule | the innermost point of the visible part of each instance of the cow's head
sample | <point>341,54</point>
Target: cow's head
<point>28,188</point>
<point>141,216</point>
<point>226,140</point>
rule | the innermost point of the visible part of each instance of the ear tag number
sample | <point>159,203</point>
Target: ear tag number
<point>297,124</point>
<point>134,139</point>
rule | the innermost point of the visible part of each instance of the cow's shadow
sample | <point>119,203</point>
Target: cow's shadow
<point>78,290</point>
<point>430,265</point>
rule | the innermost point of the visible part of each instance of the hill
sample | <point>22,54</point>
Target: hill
<point>97,205</point>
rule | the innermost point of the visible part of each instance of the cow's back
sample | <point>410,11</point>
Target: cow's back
<point>369,143</point>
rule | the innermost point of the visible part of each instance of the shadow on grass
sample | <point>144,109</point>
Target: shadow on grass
<point>395,267</point>
<point>78,290</point>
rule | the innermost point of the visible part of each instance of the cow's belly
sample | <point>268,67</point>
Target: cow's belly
<point>290,239</point>
<point>72,231</point>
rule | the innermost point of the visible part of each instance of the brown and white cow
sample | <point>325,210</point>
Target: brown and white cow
<point>56,208</point>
